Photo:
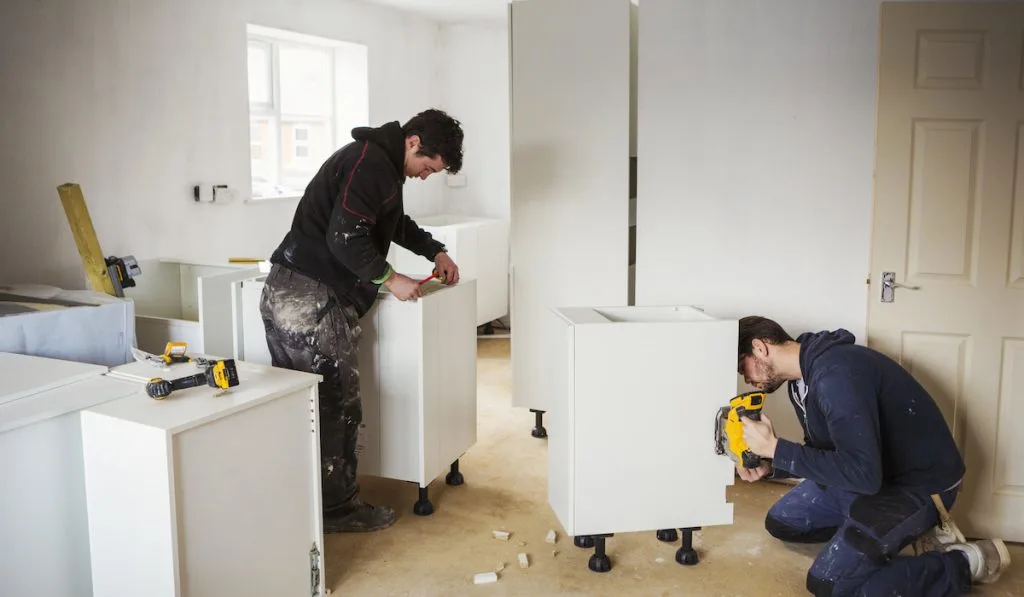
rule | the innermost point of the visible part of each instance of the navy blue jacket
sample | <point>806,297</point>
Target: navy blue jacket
<point>867,423</point>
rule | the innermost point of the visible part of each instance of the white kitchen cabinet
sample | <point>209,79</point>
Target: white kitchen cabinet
<point>632,444</point>
<point>479,246</point>
<point>185,302</point>
<point>417,365</point>
<point>571,139</point>
<point>206,492</point>
<point>44,539</point>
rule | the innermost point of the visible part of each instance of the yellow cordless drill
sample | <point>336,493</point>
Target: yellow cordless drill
<point>729,427</point>
<point>216,374</point>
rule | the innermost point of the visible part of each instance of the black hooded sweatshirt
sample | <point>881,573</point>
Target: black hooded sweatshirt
<point>867,422</point>
<point>349,215</point>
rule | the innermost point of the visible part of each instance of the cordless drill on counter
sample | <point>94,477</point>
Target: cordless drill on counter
<point>729,428</point>
<point>217,374</point>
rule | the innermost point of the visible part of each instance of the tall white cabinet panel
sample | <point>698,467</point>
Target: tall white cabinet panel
<point>206,492</point>
<point>479,246</point>
<point>44,539</point>
<point>570,136</point>
<point>632,423</point>
<point>418,381</point>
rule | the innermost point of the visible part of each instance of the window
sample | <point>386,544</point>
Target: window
<point>305,96</point>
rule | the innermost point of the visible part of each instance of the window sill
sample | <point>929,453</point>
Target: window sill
<point>274,199</point>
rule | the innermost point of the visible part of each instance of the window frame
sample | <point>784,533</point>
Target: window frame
<point>273,40</point>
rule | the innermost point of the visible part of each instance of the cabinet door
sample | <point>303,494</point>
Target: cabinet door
<point>247,497</point>
<point>570,146</point>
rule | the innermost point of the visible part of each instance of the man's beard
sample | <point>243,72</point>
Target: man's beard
<point>774,381</point>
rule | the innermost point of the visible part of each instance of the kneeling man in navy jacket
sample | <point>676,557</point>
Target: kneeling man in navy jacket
<point>876,448</point>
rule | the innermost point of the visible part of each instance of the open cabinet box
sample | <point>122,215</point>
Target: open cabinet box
<point>656,378</point>
<point>186,302</point>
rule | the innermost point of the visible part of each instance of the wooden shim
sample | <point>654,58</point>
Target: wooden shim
<point>85,237</point>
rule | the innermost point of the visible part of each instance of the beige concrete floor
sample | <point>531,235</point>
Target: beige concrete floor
<point>506,489</point>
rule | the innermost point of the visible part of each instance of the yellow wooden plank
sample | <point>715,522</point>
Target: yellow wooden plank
<point>85,237</point>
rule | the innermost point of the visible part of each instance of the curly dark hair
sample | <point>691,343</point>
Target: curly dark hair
<point>755,327</point>
<point>439,134</point>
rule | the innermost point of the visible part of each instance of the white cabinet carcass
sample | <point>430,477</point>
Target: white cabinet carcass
<point>44,539</point>
<point>638,391</point>
<point>186,302</point>
<point>206,492</point>
<point>417,373</point>
<point>418,380</point>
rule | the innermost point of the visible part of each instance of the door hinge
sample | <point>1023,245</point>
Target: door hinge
<point>314,571</point>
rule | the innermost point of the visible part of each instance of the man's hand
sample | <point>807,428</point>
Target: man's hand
<point>753,474</point>
<point>403,287</point>
<point>447,271</point>
<point>760,436</point>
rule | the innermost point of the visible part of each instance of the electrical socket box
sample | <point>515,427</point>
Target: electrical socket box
<point>211,193</point>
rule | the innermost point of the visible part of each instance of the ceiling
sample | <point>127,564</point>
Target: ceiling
<point>451,11</point>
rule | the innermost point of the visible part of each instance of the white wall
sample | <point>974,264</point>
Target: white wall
<point>138,100</point>
<point>474,88</point>
<point>756,151</point>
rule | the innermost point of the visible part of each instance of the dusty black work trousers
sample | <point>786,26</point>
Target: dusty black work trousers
<point>309,330</point>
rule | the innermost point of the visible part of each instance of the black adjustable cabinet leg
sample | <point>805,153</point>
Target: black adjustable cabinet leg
<point>538,426</point>
<point>454,477</point>
<point>583,541</point>
<point>668,535</point>
<point>686,555</point>
<point>599,562</point>
<point>423,507</point>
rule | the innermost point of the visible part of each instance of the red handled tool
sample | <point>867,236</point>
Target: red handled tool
<point>425,280</point>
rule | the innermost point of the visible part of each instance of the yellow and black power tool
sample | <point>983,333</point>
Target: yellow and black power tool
<point>729,428</point>
<point>217,374</point>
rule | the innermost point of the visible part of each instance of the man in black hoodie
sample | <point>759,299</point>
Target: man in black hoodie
<point>326,274</point>
<point>876,448</point>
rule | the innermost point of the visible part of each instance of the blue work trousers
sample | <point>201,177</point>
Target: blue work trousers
<point>864,533</point>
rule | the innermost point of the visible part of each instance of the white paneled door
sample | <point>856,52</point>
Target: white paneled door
<point>949,226</point>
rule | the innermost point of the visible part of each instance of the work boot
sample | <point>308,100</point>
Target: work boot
<point>358,517</point>
<point>988,558</point>
<point>936,538</point>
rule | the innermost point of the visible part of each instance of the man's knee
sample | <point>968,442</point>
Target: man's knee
<point>791,534</point>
